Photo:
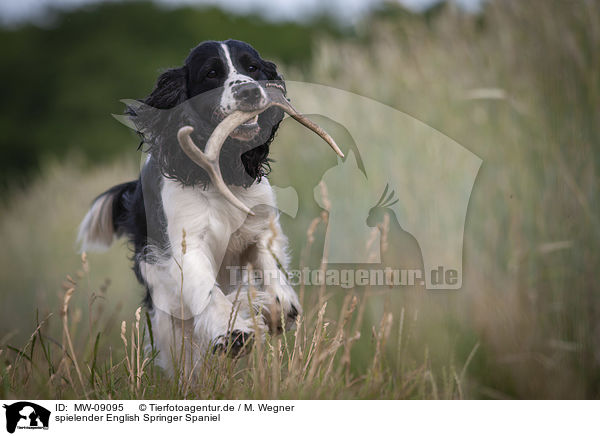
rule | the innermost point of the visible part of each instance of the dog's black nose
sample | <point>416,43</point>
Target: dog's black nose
<point>249,93</point>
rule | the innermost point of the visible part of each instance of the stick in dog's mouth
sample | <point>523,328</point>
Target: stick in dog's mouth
<point>209,158</point>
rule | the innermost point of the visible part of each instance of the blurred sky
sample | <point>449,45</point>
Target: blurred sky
<point>16,11</point>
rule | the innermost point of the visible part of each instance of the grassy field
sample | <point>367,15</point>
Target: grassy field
<point>519,86</point>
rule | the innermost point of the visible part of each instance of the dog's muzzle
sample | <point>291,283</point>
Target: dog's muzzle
<point>249,96</point>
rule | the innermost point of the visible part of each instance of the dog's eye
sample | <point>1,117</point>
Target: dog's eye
<point>252,68</point>
<point>211,74</point>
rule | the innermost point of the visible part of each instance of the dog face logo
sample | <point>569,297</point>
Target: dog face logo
<point>26,415</point>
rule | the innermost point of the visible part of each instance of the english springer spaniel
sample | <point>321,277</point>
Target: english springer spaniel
<point>202,210</point>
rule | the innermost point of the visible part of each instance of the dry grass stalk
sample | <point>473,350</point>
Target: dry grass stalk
<point>67,336</point>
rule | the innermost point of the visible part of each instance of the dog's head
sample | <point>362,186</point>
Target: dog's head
<point>216,79</point>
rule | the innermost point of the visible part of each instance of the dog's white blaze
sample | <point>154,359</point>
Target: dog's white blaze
<point>231,70</point>
<point>228,102</point>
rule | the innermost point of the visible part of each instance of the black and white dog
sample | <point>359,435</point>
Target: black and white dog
<point>185,235</point>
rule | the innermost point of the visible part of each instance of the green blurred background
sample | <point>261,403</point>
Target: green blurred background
<point>517,83</point>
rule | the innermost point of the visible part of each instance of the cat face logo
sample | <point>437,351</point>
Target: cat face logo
<point>26,415</point>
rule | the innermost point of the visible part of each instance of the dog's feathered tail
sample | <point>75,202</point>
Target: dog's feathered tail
<point>100,227</point>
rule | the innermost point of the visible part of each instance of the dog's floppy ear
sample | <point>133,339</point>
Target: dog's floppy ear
<point>170,89</point>
<point>151,119</point>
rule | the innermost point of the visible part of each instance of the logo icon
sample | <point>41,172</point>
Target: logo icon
<point>26,415</point>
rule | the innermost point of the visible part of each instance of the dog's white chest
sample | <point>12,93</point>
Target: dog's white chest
<point>211,222</point>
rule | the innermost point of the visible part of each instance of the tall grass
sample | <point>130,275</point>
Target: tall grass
<point>520,87</point>
<point>312,361</point>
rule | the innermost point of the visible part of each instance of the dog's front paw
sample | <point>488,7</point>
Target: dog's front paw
<point>281,313</point>
<point>235,344</point>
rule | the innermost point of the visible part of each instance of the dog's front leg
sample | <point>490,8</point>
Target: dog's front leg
<point>217,323</point>
<point>270,259</point>
<point>183,292</point>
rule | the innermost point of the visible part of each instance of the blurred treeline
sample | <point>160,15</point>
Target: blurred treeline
<point>62,79</point>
